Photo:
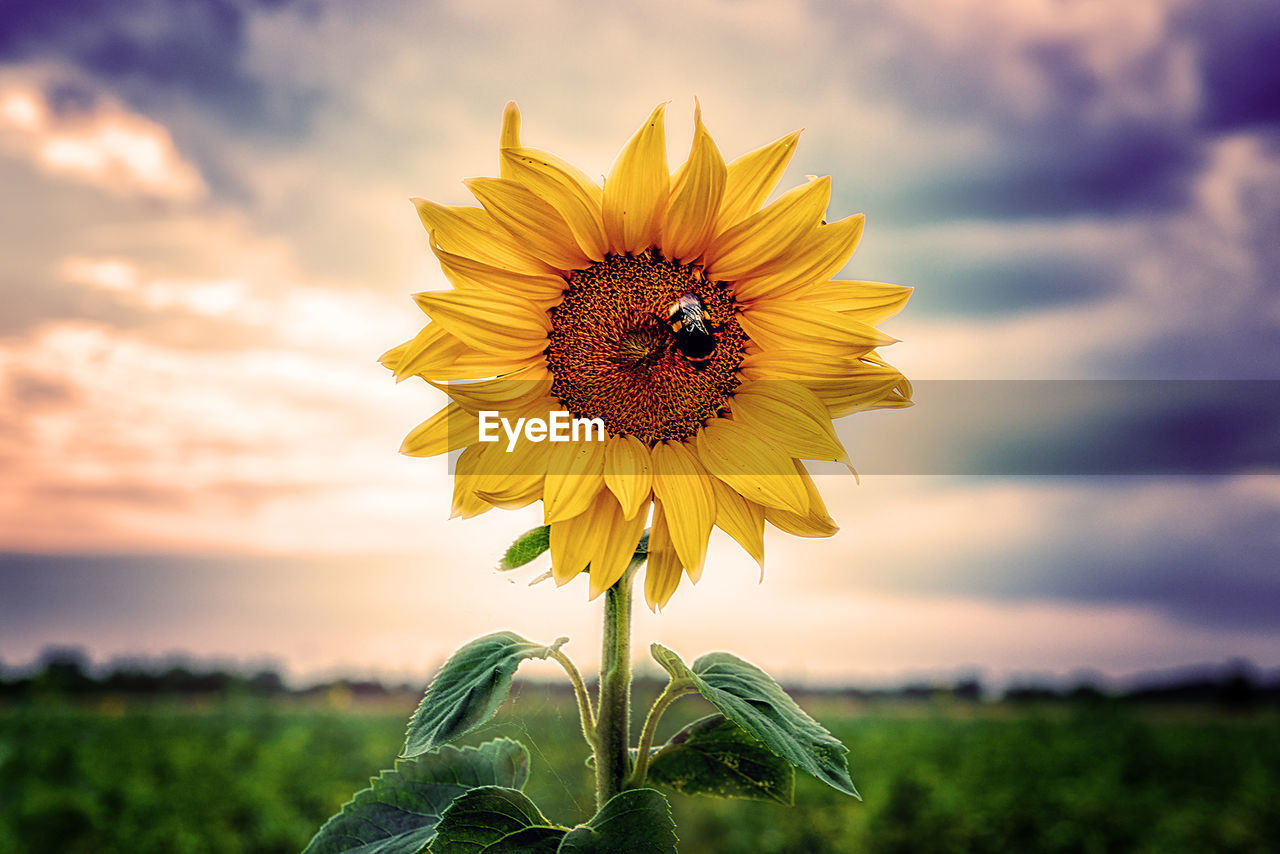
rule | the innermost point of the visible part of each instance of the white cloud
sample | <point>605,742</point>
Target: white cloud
<point>112,149</point>
<point>211,298</point>
<point>305,317</point>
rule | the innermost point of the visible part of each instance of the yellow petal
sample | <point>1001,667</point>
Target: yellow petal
<point>696,191</point>
<point>513,478</point>
<point>844,384</point>
<point>750,179</point>
<point>527,459</point>
<point>741,519</point>
<point>567,189</point>
<point>663,573</point>
<point>817,258</point>
<point>509,136</point>
<point>807,366</point>
<point>501,393</point>
<point>814,523</point>
<point>636,191</point>
<point>472,232</point>
<point>542,289</point>
<point>682,484</point>
<point>435,354</point>
<point>628,472</point>
<point>790,416</point>
<point>466,503</point>
<point>800,365</point>
<point>851,398</point>
<point>574,541</point>
<point>392,358</point>
<point>751,465</point>
<point>443,356</point>
<point>492,323</point>
<point>457,361</point>
<point>791,325</point>
<point>896,400</point>
<point>621,536</point>
<point>869,302</point>
<point>534,223</point>
<point>837,380</point>
<point>416,348</point>
<point>513,496</point>
<point>764,240</point>
<point>448,430</point>
<point>575,473</point>
<point>899,397</point>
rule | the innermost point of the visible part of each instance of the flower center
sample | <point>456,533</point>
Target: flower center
<point>617,354</point>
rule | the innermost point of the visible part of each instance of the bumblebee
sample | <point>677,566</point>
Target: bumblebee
<point>693,333</point>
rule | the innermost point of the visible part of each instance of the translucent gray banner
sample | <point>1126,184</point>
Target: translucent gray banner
<point>1043,428</point>
<point>1073,427</point>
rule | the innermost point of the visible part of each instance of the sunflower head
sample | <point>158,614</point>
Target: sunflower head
<point>695,333</point>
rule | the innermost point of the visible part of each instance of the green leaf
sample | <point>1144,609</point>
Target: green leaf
<point>532,840</point>
<point>715,756</point>
<point>527,547</point>
<point>469,688</point>
<point>398,813</point>
<point>493,819</point>
<point>637,821</point>
<point>749,697</point>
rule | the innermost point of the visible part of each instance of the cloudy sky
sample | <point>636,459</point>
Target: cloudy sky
<point>206,242</point>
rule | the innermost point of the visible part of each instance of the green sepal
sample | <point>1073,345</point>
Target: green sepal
<point>526,548</point>
<point>749,697</point>
<point>714,756</point>
<point>494,820</point>
<point>399,811</point>
<point>530,545</point>
<point>469,688</point>
<point>671,662</point>
<point>637,821</point>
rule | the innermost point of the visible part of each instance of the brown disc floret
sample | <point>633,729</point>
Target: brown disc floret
<point>612,352</point>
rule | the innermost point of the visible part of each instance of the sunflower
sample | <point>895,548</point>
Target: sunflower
<point>700,326</point>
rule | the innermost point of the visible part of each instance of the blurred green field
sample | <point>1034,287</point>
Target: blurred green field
<point>259,776</point>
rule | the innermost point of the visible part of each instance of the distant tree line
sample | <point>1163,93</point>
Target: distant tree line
<point>66,672</point>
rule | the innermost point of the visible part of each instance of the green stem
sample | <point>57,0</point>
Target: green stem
<point>613,729</point>
<point>670,694</point>
<point>585,710</point>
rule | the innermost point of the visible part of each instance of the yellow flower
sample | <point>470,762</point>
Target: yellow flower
<point>566,297</point>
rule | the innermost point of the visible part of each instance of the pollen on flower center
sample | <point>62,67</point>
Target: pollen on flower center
<point>614,357</point>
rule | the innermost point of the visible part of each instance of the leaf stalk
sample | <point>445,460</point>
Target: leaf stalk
<point>586,711</point>
<point>674,690</point>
